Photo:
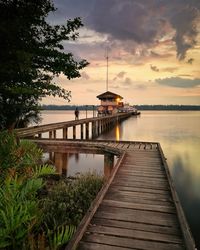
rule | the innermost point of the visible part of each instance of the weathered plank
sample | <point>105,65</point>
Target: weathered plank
<point>129,243</point>
<point>149,196</point>
<point>140,172</point>
<point>96,246</point>
<point>150,181</point>
<point>131,205</point>
<point>138,200</point>
<point>135,176</point>
<point>137,226</point>
<point>133,215</point>
<point>134,234</point>
<point>139,189</point>
<point>141,184</point>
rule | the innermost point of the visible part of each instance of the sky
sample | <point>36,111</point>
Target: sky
<point>153,48</point>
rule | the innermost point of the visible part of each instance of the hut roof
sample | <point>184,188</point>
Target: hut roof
<point>109,94</point>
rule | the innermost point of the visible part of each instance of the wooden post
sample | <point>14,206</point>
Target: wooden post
<point>101,126</point>
<point>107,124</point>
<point>74,132</point>
<point>87,130</point>
<point>108,164</point>
<point>51,157</point>
<point>104,125</point>
<point>81,131</point>
<point>95,124</point>
<point>54,134</point>
<point>50,134</point>
<point>64,133</point>
<point>98,128</point>
<point>93,130</point>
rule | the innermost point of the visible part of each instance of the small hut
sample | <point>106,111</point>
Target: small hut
<point>110,103</point>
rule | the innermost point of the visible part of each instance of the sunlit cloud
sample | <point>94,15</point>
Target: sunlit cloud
<point>85,76</point>
<point>127,81</point>
<point>120,75</point>
<point>190,61</point>
<point>169,69</point>
<point>179,82</point>
<point>140,87</point>
<point>154,68</point>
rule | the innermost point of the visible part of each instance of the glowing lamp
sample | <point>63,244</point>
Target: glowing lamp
<point>118,100</point>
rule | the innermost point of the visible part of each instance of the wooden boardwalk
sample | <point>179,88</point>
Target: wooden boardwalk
<point>137,208</point>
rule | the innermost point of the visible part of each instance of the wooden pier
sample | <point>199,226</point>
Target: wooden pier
<point>89,127</point>
<point>137,208</point>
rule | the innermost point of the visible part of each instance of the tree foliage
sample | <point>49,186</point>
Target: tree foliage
<point>31,56</point>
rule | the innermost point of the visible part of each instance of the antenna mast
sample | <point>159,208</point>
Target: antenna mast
<point>107,69</point>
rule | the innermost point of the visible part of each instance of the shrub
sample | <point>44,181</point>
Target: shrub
<point>68,201</point>
<point>18,211</point>
<point>17,156</point>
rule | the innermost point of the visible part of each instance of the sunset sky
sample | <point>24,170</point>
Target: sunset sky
<point>154,50</point>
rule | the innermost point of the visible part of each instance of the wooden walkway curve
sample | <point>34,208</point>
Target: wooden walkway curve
<point>137,208</point>
<point>140,208</point>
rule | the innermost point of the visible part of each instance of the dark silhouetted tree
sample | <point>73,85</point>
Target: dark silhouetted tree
<point>31,56</point>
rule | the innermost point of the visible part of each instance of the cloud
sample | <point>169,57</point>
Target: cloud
<point>85,76</point>
<point>123,20</point>
<point>185,75</point>
<point>184,19</point>
<point>169,69</point>
<point>140,87</point>
<point>179,82</point>
<point>127,81</point>
<point>156,55</point>
<point>120,75</point>
<point>133,22</point>
<point>115,87</point>
<point>147,21</point>
<point>190,61</point>
<point>154,68</point>
<point>91,90</point>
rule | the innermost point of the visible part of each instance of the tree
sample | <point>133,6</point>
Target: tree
<point>31,56</point>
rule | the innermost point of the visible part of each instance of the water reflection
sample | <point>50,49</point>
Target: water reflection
<point>61,162</point>
<point>69,164</point>
<point>187,185</point>
<point>117,132</point>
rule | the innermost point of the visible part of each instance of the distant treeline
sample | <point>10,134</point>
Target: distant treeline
<point>167,107</point>
<point>139,107</point>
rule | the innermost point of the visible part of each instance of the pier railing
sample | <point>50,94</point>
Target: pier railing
<point>94,126</point>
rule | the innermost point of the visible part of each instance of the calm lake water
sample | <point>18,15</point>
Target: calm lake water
<point>179,135</point>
